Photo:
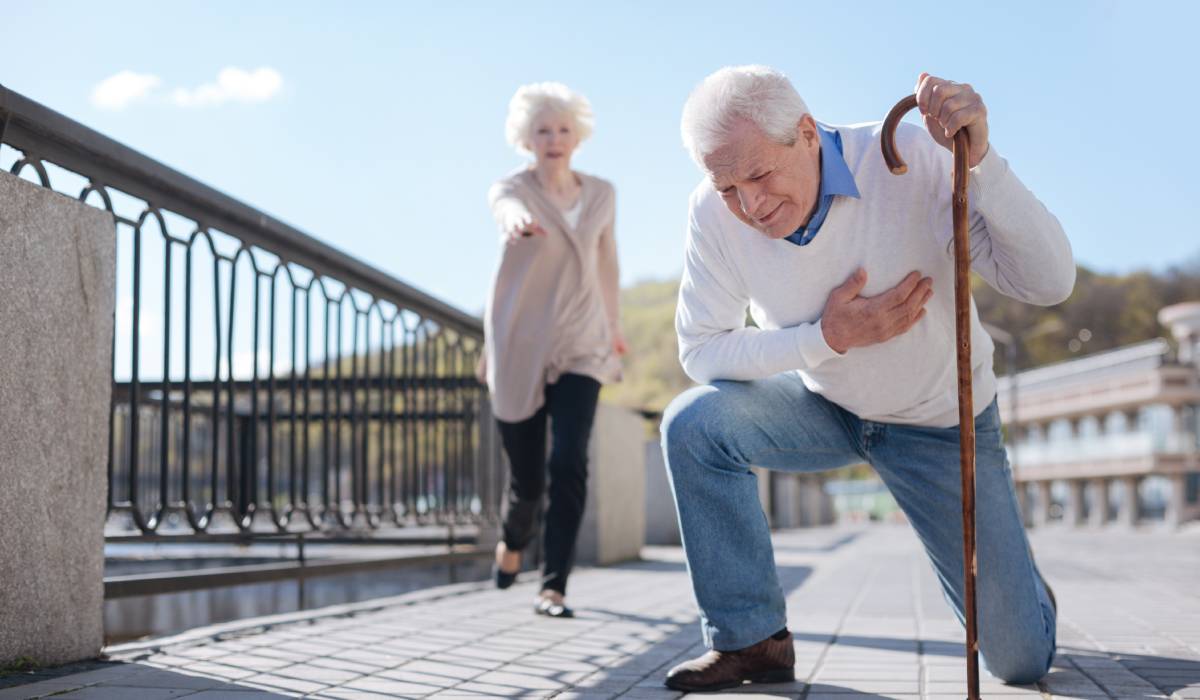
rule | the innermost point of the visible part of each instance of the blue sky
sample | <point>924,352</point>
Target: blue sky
<point>387,127</point>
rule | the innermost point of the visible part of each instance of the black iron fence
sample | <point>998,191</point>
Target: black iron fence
<point>264,382</point>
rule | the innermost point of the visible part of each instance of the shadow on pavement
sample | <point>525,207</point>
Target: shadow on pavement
<point>654,565</point>
<point>1169,675</point>
<point>644,673</point>
<point>118,679</point>
<point>822,549</point>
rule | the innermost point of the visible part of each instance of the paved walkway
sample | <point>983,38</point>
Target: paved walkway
<point>865,609</point>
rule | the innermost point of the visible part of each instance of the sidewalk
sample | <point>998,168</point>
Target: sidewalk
<point>865,609</point>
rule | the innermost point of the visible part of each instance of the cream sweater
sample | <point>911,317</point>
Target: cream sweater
<point>545,314</point>
<point>901,223</point>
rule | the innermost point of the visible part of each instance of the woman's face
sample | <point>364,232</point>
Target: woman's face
<point>553,138</point>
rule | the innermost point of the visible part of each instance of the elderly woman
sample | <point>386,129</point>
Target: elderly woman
<point>552,329</point>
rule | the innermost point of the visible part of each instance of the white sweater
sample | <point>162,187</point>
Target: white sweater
<point>901,223</point>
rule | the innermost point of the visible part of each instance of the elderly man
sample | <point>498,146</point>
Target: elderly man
<point>848,274</point>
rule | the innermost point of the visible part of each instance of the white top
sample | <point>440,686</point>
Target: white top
<point>901,223</point>
<point>572,214</point>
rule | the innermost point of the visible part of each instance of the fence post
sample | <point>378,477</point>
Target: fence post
<point>57,297</point>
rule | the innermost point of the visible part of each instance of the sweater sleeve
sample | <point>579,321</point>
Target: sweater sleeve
<point>506,204</point>
<point>1017,245</point>
<point>710,319</point>
<point>608,267</point>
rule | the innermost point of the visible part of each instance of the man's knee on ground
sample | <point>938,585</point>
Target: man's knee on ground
<point>1023,665</point>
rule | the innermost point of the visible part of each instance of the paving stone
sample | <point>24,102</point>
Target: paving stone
<point>38,690</point>
<point>429,679</point>
<point>198,652</point>
<point>239,694</point>
<point>167,678</point>
<point>221,670</point>
<point>351,694</point>
<point>258,662</point>
<point>496,690</point>
<point>840,674</point>
<point>391,686</point>
<point>317,674</point>
<point>660,694</point>
<point>865,687</point>
<point>448,672</point>
<point>268,681</point>
<point>119,692</point>
<point>340,664</point>
<point>375,658</point>
<point>269,652</point>
<point>861,696</point>
<point>466,662</point>
<point>989,689</point>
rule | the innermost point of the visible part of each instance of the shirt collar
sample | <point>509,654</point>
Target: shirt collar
<point>835,174</point>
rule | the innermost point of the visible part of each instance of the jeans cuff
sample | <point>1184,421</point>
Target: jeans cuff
<point>749,631</point>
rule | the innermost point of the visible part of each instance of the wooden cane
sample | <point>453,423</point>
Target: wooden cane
<point>962,324</point>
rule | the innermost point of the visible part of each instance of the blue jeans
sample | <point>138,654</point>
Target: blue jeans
<point>711,436</point>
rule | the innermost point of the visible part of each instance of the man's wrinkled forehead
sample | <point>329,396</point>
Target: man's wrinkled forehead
<point>730,163</point>
<point>737,155</point>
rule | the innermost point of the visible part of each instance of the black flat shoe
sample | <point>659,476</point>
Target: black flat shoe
<point>549,608</point>
<point>503,578</point>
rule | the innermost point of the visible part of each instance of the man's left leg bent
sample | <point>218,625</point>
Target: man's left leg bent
<point>1016,619</point>
<point>711,436</point>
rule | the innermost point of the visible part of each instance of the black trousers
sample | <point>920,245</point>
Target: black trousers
<point>571,408</point>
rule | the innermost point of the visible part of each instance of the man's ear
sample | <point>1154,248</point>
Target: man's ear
<point>806,132</point>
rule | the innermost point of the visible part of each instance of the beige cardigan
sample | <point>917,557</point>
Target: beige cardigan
<point>546,315</point>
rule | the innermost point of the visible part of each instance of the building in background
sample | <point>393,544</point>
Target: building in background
<point>1111,437</point>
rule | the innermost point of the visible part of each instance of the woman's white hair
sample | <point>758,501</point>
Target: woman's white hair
<point>531,100</point>
<point>762,95</point>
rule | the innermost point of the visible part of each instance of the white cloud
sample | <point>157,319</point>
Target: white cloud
<point>117,91</point>
<point>232,85</point>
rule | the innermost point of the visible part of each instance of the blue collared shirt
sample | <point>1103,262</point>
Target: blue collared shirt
<point>835,180</point>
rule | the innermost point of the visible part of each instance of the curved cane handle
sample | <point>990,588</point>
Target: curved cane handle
<point>887,139</point>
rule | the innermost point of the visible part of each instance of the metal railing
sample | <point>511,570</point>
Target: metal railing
<point>264,382</point>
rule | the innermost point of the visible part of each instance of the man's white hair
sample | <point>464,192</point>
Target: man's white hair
<point>531,100</point>
<point>762,95</point>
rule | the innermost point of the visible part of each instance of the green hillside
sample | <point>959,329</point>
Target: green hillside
<point>652,375</point>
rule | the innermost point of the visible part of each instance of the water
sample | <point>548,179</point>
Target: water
<point>139,617</point>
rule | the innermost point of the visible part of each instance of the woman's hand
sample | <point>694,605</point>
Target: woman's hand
<point>619,345</point>
<point>522,226</point>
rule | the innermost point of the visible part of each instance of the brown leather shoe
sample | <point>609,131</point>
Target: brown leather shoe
<point>769,661</point>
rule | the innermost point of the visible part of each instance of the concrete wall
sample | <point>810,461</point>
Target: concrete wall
<point>789,500</point>
<point>662,522</point>
<point>57,269</point>
<point>798,500</point>
<point>614,524</point>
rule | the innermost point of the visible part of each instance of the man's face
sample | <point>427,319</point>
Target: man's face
<point>768,186</point>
